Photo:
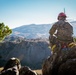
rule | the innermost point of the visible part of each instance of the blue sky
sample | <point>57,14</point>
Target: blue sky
<point>15,13</point>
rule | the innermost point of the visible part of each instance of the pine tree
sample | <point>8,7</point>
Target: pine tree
<point>4,31</point>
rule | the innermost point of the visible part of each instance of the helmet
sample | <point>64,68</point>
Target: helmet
<point>62,15</point>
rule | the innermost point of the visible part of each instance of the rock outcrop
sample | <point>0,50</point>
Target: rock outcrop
<point>30,52</point>
<point>61,63</point>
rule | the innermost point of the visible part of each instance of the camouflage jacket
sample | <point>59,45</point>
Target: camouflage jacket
<point>64,30</point>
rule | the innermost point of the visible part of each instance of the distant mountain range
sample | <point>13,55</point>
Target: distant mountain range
<point>34,31</point>
<point>31,52</point>
<point>73,23</point>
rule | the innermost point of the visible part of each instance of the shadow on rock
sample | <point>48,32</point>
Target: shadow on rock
<point>61,63</point>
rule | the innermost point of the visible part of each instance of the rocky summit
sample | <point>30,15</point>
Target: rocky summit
<point>61,63</point>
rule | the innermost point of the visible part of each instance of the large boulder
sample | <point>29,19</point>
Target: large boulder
<point>61,63</point>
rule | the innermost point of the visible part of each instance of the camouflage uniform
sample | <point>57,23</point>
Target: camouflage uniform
<point>57,35</point>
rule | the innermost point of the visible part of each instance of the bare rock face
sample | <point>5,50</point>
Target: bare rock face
<point>30,52</point>
<point>68,68</point>
<point>62,63</point>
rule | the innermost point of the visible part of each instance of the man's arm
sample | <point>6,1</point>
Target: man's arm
<point>53,29</point>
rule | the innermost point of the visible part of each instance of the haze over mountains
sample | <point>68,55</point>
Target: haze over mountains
<point>34,31</point>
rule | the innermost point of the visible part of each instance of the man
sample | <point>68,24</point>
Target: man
<point>61,32</point>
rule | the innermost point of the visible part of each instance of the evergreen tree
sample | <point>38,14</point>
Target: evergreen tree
<point>4,31</point>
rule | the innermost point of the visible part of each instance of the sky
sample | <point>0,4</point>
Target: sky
<point>15,13</point>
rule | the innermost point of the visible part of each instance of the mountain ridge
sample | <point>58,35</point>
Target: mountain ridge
<point>34,31</point>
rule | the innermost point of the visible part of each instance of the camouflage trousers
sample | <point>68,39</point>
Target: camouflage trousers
<point>53,40</point>
<point>56,43</point>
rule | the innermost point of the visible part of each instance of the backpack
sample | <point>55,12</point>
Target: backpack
<point>64,31</point>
